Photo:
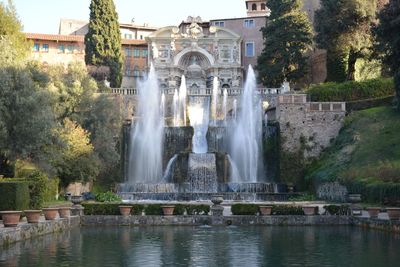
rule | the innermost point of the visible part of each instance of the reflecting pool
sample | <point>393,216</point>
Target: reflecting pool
<point>207,246</point>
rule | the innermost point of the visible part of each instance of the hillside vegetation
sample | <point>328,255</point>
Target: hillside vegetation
<point>365,157</point>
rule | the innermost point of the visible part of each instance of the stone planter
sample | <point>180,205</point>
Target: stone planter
<point>393,213</point>
<point>354,198</point>
<point>168,210</point>
<point>76,200</point>
<point>310,210</point>
<point>265,210</point>
<point>10,218</point>
<point>373,211</point>
<point>125,210</point>
<point>32,216</point>
<point>50,213</point>
<point>65,212</point>
<point>217,199</point>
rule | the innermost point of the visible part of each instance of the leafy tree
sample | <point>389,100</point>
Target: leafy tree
<point>388,40</point>
<point>103,41</point>
<point>344,29</point>
<point>287,37</point>
<point>77,161</point>
<point>13,44</point>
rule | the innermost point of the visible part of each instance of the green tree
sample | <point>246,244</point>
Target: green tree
<point>103,41</point>
<point>287,37</point>
<point>388,41</point>
<point>343,28</point>
<point>13,44</point>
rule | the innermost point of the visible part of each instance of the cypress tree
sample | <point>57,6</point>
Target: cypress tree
<point>287,36</point>
<point>103,40</point>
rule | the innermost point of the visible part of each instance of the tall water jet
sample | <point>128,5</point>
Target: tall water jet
<point>199,120</point>
<point>182,100</point>
<point>224,103</point>
<point>176,108</point>
<point>162,107</point>
<point>145,157</point>
<point>234,115</point>
<point>214,107</point>
<point>246,140</point>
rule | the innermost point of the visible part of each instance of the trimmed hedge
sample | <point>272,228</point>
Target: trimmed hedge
<point>352,90</point>
<point>244,209</point>
<point>369,103</point>
<point>109,208</point>
<point>378,192</point>
<point>287,210</point>
<point>14,195</point>
<point>337,209</point>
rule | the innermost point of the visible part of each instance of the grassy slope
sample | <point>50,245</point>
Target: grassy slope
<point>367,150</point>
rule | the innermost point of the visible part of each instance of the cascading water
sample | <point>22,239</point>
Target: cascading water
<point>182,101</point>
<point>224,103</point>
<point>246,140</point>
<point>234,115</point>
<point>214,101</point>
<point>146,140</point>
<point>162,105</point>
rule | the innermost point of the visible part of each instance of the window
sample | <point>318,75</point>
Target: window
<point>45,47</point>
<point>249,49</point>
<point>249,23</point>
<point>128,52</point>
<point>136,72</point>
<point>61,49</point>
<point>36,47</point>
<point>136,52</point>
<point>262,6</point>
<point>254,7</point>
<point>141,37</point>
<point>70,49</point>
<point>219,23</point>
<point>128,36</point>
<point>144,53</point>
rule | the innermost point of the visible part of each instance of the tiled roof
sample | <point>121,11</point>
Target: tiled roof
<point>132,42</point>
<point>55,37</point>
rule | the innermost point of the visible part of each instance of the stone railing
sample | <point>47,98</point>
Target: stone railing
<point>301,99</point>
<point>203,91</point>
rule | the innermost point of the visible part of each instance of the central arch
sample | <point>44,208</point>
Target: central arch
<point>183,57</point>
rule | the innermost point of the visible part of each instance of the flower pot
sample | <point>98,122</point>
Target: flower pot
<point>32,216</point>
<point>265,210</point>
<point>217,199</point>
<point>310,210</point>
<point>65,212</point>
<point>125,210</point>
<point>393,213</point>
<point>168,210</point>
<point>10,218</point>
<point>50,213</point>
<point>76,200</point>
<point>373,211</point>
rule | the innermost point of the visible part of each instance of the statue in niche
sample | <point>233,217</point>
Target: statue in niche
<point>235,54</point>
<point>172,48</point>
<point>154,50</point>
<point>216,52</point>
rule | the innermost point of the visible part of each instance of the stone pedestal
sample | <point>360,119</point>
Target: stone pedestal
<point>217,210</point>
<point>77,210</point>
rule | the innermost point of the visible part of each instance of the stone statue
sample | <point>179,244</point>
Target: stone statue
<point>194,31</point>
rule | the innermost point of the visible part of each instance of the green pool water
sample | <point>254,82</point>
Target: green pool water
<point>208,246</point>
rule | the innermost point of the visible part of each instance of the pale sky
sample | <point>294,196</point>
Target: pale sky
<point>43,16</point>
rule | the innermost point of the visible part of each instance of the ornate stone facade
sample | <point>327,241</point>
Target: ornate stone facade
<point>198,51</point>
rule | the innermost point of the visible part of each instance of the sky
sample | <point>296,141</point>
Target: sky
<point>43,16</point>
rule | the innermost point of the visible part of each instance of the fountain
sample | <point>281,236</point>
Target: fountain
<point>215,101</point>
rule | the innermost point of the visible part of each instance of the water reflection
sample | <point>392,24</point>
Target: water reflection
<point>214,246</point>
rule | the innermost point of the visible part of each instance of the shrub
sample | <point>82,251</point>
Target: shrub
<point>338,209</point>
<point>14,195</point>
<point>37,189</point>
<point>101,208</point>
<point>352,90</point>
<point>303,197</point>
<point>377,192</point>
<point>107,197</point>
<point>244,209</point>
<point>197,209</point>
<point>286,210</point>
<point>153,209</point>
<point>179,209</point>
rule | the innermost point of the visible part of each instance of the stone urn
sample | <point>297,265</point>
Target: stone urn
<point>393,213</point>
<point>217,199</point>
<point>77,200</point>
<point>65,212</point>
<point>50,214</point>
<point>32,216</point>
<point>265,210</point>
<point>125,210</point>
<point>10,218</point>
<point>373,211</point>
<point>310,210</point>
<point>168,210</point>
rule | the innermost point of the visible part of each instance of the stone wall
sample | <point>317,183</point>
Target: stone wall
<point>308,125</point>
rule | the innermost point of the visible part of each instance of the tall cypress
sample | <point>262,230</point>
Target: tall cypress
<point>287,37</point>
<point>103,40</point>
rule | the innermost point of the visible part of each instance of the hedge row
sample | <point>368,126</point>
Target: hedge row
<point>352,90</point>
<point>253,209</point>
<point>14,195</point>
<point>383,193</point>
<point>148,209</point>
